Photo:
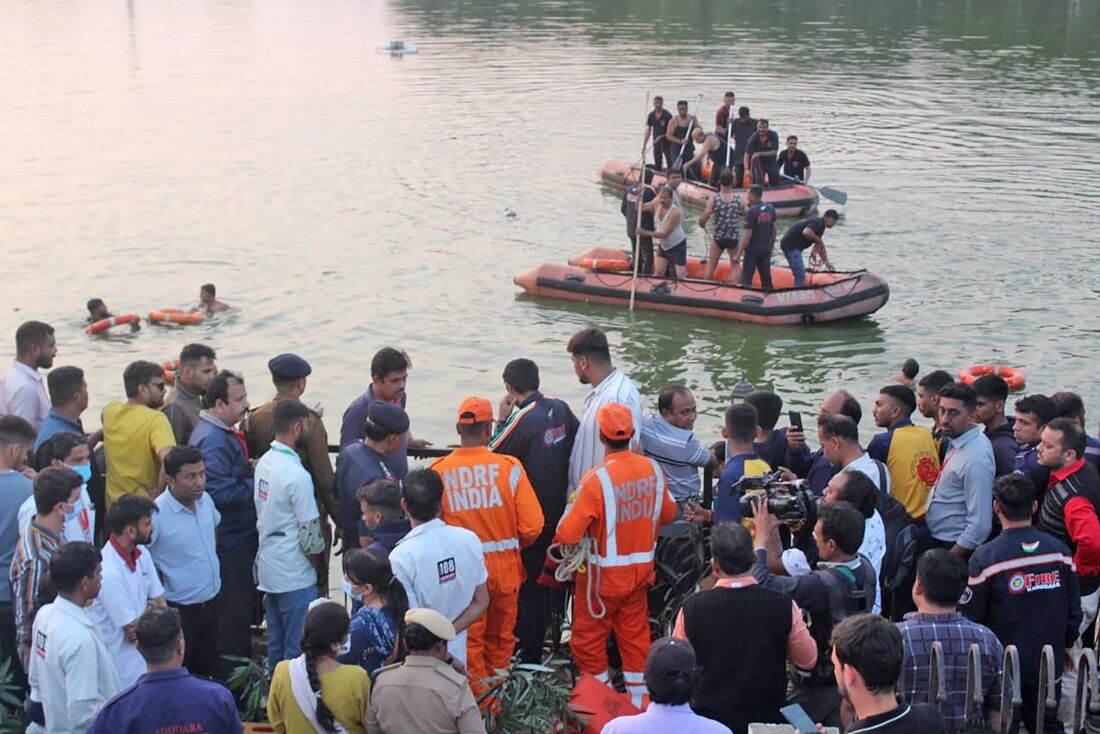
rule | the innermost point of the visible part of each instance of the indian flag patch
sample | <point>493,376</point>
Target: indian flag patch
<point>1030,547</point>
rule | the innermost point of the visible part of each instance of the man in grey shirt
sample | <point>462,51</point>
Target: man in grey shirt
<point>960,506</point>
<point>667,438</point>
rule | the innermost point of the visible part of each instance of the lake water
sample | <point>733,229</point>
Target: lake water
<point>343,200</point>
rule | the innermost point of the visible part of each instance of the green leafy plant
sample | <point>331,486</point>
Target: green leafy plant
<point>530,698</point>
<point>250,686</point>
<point>12,718</point>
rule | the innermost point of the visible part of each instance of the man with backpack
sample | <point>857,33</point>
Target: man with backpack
<point>843,584</point>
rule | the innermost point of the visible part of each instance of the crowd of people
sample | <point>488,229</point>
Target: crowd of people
<point>143,555</point>
<point>741,151</point>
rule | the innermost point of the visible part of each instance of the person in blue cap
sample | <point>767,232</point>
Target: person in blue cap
<point>367,461</point>
<point>289,373</point>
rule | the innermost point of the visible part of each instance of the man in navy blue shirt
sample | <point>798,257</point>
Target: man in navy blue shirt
<point>1032,414</point>
<point>539,431</point>
<point>1024,588</point>
<point>760,155</point>
<point>992,392</point>
<point>364,462</point>
<point>758,239</point>
<point>1069,405</point>
<point>794,163</point>
<point>167,698</point>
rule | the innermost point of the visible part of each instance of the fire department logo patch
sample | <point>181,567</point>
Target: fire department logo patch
<point>1025,583</point>
<point>926,470</point>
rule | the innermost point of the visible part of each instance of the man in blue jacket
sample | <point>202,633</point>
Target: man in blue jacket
<point>229,484</point>
<point>167,698</point>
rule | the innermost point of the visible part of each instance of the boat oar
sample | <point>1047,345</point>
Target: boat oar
<point>834,195</point>
<point>729,137</point>
<point>638,222</point>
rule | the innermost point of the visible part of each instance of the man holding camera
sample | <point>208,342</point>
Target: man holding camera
<point>843,584</point>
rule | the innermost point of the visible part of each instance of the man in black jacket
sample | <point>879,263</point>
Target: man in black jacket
<point>992,393</point>
<point>843,584</point>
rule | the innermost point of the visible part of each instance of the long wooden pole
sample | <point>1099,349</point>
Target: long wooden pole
<point>638,222</point>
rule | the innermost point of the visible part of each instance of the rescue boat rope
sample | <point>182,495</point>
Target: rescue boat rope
<point>571,559</point>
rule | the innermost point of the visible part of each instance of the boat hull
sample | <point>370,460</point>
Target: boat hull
<point>829,296</point>
<point>789,200</point>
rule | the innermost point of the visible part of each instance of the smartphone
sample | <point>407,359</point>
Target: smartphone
<point>796,420</point>
<point>797,717</point>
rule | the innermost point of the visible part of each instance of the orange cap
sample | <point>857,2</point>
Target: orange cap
<point>616,421</point>
<point>475,410</point>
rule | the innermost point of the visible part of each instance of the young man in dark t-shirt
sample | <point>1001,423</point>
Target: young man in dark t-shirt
<point>867,659</point>
<point>760,155</point>
<point>794,163</point>
<point>629,210</point>
<point>656,125</point>
<point>742,129</point>
<point>758,239</point>
<point>806,233</point>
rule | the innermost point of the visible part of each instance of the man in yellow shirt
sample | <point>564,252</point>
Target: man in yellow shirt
<point>136,435</point>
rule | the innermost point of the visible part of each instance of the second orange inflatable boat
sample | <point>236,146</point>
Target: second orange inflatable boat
<point>603,275</point>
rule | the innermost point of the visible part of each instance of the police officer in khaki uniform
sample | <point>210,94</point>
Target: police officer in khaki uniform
<point>289,373</point>
<point>426,692</point>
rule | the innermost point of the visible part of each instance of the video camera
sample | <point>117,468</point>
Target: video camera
<point>790,501</point>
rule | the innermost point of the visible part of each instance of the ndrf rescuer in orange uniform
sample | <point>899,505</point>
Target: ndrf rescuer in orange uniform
<point>620,504</point>
<point>490,495</point>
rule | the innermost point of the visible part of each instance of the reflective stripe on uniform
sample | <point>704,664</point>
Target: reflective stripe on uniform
<point>497,546</point>
<point>612,558</point>
<point>514,477</point>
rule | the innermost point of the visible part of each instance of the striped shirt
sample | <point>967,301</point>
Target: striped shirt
<point>31,561</point>
<point>678,452</point>
<point>588,451</point>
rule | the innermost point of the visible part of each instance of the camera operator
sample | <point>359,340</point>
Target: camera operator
<point>843,584</point>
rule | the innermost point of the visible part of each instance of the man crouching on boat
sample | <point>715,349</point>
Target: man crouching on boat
<point>669,233</point>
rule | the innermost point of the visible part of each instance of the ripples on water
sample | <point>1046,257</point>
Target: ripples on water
<point>343,199</point>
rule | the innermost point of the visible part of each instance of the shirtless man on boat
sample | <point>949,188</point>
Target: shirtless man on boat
<point>678,134</point>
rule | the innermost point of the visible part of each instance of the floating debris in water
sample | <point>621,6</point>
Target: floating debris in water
<point>397,48</point>
<point>509,213</point>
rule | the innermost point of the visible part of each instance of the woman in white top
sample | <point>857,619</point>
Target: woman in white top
<point>669,234</point>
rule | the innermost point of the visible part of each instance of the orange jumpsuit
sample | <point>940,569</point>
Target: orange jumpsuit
<point>490,495</point>
<point>620,504</point>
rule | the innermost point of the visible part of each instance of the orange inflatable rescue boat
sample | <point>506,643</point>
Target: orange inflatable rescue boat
<point>603,275</point>
<point>789,200</point>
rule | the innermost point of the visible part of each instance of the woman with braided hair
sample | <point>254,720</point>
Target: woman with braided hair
<point>314,692</point>
<point>377,628</point>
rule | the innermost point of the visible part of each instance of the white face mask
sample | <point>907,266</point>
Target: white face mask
<point>351,594</point>
<point>346,647</point>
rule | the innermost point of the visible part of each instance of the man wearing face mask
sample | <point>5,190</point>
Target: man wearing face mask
<point>66,451</point>
<point>130,583</point>
<point>291,545</point>
<point>184,553</point>
<point>55,492</point>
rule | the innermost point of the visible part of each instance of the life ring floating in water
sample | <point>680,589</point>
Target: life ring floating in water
<point>104,324</point>
<point>176,316</point>
<point>170,368</point>
<point>1013,377</point>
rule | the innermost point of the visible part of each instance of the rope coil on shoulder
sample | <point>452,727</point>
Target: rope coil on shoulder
<point>571,559</point>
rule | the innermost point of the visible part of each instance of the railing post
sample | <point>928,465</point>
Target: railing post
<point>1010,688</point>
<point>1045,699</point>
<point>937,686</point>
<point>974,707</point>
<point>1086,699</point>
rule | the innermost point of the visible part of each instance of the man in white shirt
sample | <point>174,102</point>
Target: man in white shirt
<point>592,363</point>
<point>130,583</point>
<point>442,567</point>
<point>23,393</point>
<point>289,556</point>
<point>70,668</point>
<point>839,437</point>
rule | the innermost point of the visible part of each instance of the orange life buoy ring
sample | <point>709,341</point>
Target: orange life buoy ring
<point>104,324</point>
<point>1013,377</point>
<point>176,316</point>
<point>603,263</point>
<point>170,368</point>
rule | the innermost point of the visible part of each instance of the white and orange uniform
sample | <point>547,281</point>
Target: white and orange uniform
<point>489,494</point>
<point>620,504</point>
